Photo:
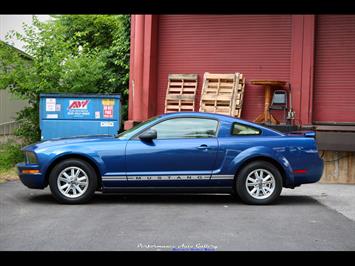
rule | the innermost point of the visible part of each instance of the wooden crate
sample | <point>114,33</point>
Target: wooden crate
<point>222,93</point>
<point>217,93</point>
<point>181,93</point>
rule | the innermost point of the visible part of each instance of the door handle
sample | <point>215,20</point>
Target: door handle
<point>202,147</point>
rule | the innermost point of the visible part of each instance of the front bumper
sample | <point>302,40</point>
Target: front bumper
<point>36,180</point>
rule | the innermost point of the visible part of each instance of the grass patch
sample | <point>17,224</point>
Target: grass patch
<point>8,175</point>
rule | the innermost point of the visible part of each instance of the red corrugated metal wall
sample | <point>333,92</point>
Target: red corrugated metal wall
<point>334,87</point>
<point>259,46</point>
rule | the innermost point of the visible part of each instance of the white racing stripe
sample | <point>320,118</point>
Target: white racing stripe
<point>169,177</point>
<point>222,177</point>
<point>120,177</point>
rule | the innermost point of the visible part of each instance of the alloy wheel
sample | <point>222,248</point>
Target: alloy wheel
<point>72,182</point>
<point>260,183</point>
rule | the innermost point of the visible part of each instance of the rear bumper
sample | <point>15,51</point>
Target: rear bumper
<point>36,181</point>
<point>313,174</point>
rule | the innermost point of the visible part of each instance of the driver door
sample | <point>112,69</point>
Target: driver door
<point>183,153</point>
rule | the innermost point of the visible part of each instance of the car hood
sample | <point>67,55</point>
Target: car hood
<point>71,140</point>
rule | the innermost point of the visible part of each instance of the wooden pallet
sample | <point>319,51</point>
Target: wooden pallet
<point>181,93</point>
<point>239,95</point>
<point>222,93</point>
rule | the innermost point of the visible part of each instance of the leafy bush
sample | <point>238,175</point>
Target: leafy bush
<point>10,154</point>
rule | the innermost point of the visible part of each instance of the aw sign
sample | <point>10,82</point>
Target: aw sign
<point>81,104</point>
<point>78,108</point>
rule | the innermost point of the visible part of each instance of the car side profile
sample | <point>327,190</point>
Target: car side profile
<point>176,152</point>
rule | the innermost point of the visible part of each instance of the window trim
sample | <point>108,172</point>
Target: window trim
<point>135,137</point>
<point>245,135</point>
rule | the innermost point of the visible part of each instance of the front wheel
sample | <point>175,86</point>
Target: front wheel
<point>259,183</point>
<point>73,181</point>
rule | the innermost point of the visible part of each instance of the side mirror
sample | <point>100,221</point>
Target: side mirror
<point>149,134</point>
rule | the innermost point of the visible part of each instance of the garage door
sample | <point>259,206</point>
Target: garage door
<point>258,46</point>
<point>334,87</point>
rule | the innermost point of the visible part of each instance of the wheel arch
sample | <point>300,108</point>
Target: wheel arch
<point>265,159</point>
<point>74,156</point>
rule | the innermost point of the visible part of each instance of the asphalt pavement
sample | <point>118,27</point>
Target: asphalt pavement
<point>302,219</point>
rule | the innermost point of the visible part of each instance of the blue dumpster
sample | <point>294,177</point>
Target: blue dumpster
<point>68,115</point>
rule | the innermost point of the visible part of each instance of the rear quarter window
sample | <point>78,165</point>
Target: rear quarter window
<point>244,130</point>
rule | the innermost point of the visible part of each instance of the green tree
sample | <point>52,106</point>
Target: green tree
<point>71,53</point>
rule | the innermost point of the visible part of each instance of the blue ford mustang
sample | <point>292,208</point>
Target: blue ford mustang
<point>176,152</point>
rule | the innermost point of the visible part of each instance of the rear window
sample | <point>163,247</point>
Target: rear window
<point>244,130</point>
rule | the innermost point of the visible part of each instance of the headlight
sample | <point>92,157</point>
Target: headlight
<point>30,157</point>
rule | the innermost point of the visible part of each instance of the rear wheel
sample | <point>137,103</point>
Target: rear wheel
<point>259,183</point>
<point>73,181</point>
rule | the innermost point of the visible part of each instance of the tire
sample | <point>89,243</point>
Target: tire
<point>252,190</point>
<point>80,188</point>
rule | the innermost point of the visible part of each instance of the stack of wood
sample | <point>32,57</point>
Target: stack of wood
<point>239,94</point>
<point>222,93</point>
<point>181,93</point>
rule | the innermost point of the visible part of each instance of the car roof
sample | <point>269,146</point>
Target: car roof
<point>225,118</point>
<point>220,117</point>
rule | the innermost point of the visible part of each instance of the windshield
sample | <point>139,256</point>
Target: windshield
<point>130,132</point>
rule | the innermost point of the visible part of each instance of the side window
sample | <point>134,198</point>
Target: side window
<point>182,128</point>
<point>240,130</point>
